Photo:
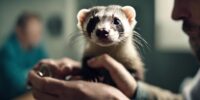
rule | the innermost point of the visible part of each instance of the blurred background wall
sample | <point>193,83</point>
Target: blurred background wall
<point>166,65</point>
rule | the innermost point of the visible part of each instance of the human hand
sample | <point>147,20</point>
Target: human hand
<point>47,88</point>
<point>59,68</point>
<point>124,80</point>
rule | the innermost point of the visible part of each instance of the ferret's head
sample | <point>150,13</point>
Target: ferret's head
<point>108,25</point>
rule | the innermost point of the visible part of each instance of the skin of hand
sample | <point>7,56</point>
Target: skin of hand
<point>124,80</point>
<point>60,68</point>
<point>47,88</point>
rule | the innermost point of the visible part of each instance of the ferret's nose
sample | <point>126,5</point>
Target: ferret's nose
<point>102,33</point>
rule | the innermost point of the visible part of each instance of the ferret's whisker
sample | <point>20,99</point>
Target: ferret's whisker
<point>70,35</point>
<point>137,34</point>
<point>78,42</point>
<point>137,44</point>
<point>139,41</point>
<point>73,38</point>
<point>142,40</point>
<point>134,40</point>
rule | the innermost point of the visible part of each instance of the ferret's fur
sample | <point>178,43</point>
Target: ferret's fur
<point>123,48</point>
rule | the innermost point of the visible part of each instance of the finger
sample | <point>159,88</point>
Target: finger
<point>95,62</point>
<point>69,66</point>
<point>46,84</point>
<point>69,62</point>
<point>35,80</point>
<point>37,66</point>
<point>47,62</point>
<point>53,86</point>
<point>51,61</point>
<point>65,68</point>
<point>49,68</point>
<point>76,77</point>
<point>103,60</point>
<point>43,96</point>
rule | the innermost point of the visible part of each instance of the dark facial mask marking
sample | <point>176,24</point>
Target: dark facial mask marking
<point>118,24</point>
<point>92,24</point>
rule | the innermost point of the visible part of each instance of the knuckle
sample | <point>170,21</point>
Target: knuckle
<point>43,60</point>
<point>67,68</point>
<point>67,65</point>
<point>51,61</point>
<point>65,59</point>
<point>47,61</point>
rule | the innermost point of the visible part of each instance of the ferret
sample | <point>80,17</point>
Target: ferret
<point>109,29</point>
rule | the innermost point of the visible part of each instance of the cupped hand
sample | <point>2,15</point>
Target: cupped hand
<point>47,88</point>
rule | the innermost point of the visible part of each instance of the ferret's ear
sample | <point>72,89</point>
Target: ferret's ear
<point>81,16</point>
<point>130,13</point>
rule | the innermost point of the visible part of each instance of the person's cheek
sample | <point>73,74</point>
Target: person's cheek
<point>35,39</point>
<point>39,34</point>
<point>194,9</point>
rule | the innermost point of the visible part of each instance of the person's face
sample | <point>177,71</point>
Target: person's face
<point>189,12</point>
<point>32,32</point>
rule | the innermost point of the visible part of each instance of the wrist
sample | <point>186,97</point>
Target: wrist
<point>115,94</point>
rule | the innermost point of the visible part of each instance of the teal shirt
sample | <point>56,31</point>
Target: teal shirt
<point>15,63</point>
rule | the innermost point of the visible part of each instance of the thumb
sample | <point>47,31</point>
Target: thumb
<point>102,61</point>
<point>95,62</point>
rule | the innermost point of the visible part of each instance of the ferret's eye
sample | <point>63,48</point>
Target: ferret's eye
<point>116,21</point>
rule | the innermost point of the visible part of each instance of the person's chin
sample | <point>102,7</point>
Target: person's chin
<point>191,33</point>
<point>190,26</point>
<point>195,49</point>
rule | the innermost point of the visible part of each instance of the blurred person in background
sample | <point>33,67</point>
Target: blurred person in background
<point>19,54</point>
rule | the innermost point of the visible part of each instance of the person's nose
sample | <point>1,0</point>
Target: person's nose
<point>180,10</point>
